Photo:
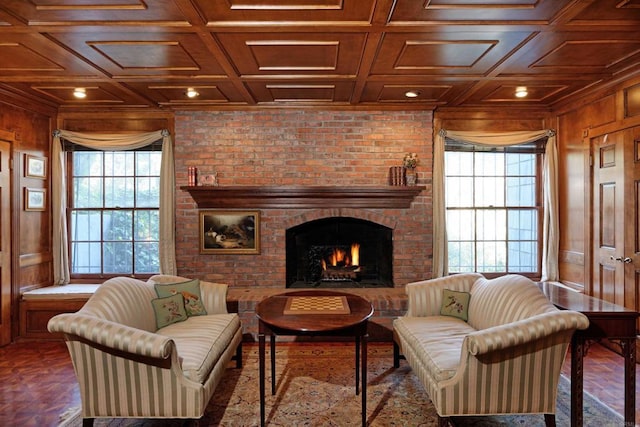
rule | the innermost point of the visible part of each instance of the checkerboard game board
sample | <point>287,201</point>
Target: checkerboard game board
<point>317,305</point>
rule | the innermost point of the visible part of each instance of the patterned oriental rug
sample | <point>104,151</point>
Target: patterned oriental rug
<point>316,387</point>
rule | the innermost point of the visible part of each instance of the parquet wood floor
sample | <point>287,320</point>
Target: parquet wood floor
<point>37,382</point>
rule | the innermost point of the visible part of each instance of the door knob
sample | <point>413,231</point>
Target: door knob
<point>626,260</point>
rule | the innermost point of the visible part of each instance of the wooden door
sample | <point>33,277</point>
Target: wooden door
<point>5,242</point>
<point>608,217</point>
<point>631,258</point>
<point>616,213</point>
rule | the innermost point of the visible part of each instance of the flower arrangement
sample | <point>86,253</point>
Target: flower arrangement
<point>410,160</point>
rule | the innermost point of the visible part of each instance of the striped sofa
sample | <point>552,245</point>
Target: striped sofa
<point>505,359</point>
<point>128,369</point>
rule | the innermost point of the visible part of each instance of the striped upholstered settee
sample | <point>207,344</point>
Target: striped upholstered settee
<point>128,368</point>
<point>505,358</point>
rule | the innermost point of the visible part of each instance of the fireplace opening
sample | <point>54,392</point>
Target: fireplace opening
<point>339,252</point>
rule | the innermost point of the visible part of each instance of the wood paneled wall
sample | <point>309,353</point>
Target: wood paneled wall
<point>31,230</point>
<point>577,122</point>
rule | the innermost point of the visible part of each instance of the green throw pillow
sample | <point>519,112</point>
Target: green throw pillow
<point>169,310</point>
<point>455,303</point>
<point>190,291</point>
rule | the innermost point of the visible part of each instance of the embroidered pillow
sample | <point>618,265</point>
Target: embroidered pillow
<point>455,303</point>
<point>169,310</point>
<point>189,290</point>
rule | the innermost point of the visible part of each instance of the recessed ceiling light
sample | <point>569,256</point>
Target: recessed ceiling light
<point>521,92</point>
<point>412,93</point>
<point>80,92</point>
<point>192,93</point>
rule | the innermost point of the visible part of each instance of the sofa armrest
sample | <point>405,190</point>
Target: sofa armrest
<point>425,297</point>
<point>111,335</point>
<point>214,297</point>
<point>524,331</point>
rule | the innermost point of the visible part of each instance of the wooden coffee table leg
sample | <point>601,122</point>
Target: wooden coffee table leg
<point>577,365</point>
<point>357,364</point>
<point>261,352</point>
<point>364,379</point>
<point>273,364</point>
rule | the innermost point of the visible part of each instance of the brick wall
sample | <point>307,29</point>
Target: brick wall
<point>287,147</point>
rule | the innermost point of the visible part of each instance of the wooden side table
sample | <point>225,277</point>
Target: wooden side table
<point>311,313</point>
<point>606,320</point>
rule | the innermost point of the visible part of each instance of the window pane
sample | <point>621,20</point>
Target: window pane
<point>148,163</point>
<point>119,163</point>
<point>119,192</point>
<point>489,164</point>
<point>458,164</point>
<point>86,258</point>
<point>492,257</point>
<point>460,225</point>
<point>523,257</point>
<point>461,257</point>
<point>87,192</point>
<point>489,191</point>
<point>521,191</point>
<point>118,225</point>
<point>146,258</point>
<point>87,163</point>
<point>85,225</point>
<point>492,224</point>
<point>147,225</point>
<point>147,192</point>
<point>523,225</point>
<point>459,192</point>
<point>521,164</point>
<point>118,257</point>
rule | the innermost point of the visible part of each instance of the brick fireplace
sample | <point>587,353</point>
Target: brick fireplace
<point>286,149</point>
<point>339,252</point>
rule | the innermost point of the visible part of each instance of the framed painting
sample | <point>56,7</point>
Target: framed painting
<point>229,232</point>
<point>34,199</point>
<point>35,167</point>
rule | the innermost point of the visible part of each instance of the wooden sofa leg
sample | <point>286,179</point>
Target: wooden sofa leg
<point>550,420</point>
<point>444,421</point>
<point>87,422</point>
<point>238,356</point>
<point>396,355</point>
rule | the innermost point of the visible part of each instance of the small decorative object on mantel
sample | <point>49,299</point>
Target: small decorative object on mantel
<point>208,179</point>
<point>410,162</point>
<point>192,176</point>
<point>397,175</point>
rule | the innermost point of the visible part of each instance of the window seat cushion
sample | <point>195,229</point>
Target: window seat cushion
<point>71,291</point>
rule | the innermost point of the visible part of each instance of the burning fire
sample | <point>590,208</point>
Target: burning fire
<point>339,257</point>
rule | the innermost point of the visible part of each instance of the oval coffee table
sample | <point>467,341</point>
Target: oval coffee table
<point>314,313</point>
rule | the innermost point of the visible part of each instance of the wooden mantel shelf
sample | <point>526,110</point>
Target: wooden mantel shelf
<point>280,197</point>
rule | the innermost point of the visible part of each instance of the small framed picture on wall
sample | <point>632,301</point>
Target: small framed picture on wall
<point>35,199</point>
<point>35,167</point>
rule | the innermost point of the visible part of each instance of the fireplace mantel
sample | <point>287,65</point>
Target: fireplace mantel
<point>305,197</point>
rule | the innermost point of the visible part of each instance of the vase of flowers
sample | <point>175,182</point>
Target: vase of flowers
<point>410,162</point>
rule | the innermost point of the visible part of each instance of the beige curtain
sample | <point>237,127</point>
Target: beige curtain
<point>112,142</point>
<point>550,236</point>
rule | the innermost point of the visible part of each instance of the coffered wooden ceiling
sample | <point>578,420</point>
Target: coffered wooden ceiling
<point>264,53</point>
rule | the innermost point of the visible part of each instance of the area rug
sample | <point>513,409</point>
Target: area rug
<point>316,387</point>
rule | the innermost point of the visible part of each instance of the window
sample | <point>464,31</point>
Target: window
<point>114,212</point>
<point>494,208</point>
